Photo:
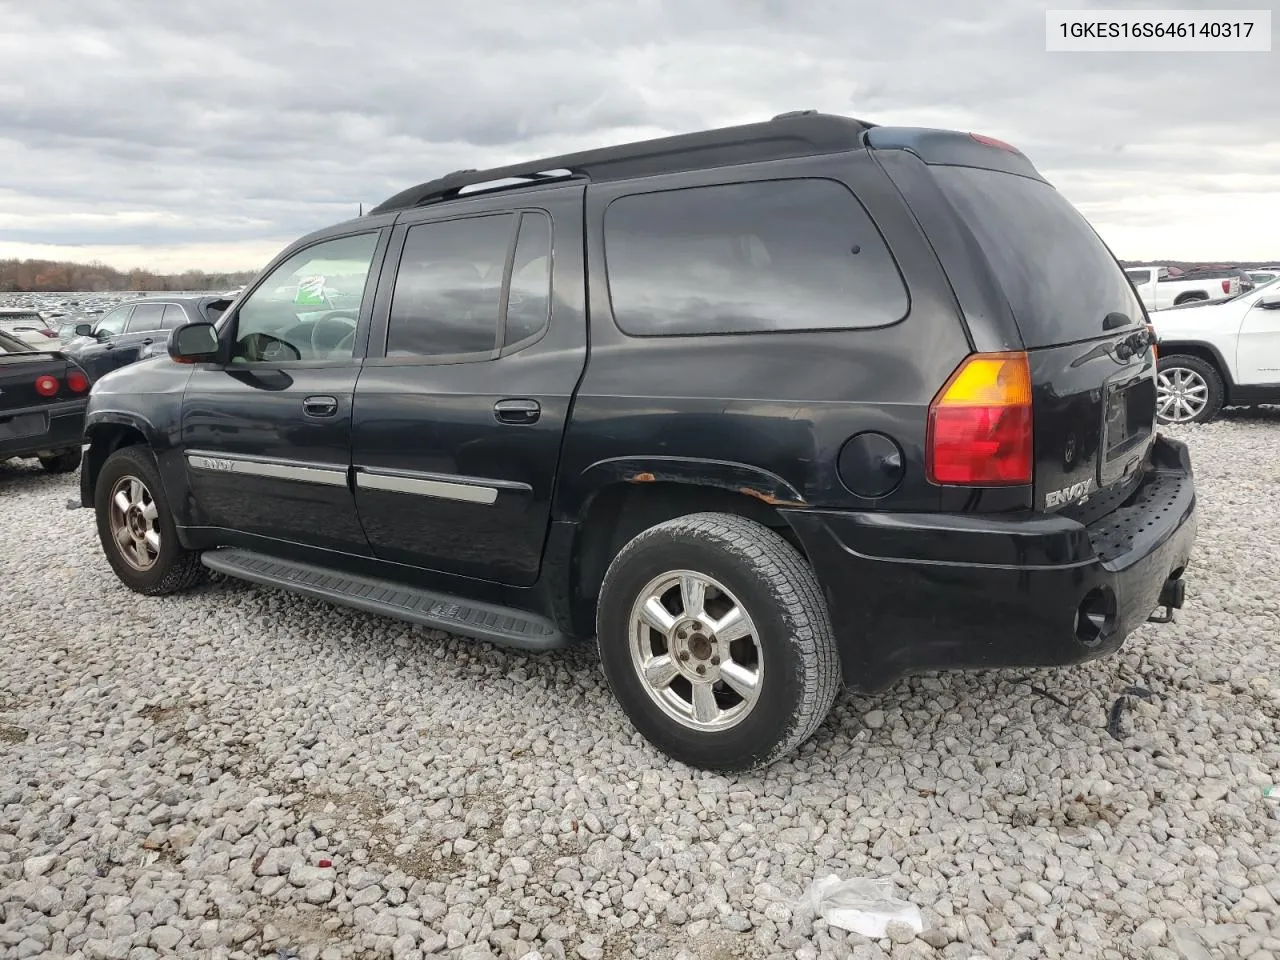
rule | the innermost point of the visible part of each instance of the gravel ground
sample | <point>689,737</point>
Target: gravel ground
<point>239,773</point>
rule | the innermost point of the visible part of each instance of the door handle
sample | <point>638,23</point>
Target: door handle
<point>517,411</point>
<point>320,406</point>
<point>147,342</point>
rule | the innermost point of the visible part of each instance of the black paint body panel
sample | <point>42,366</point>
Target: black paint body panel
<point>917,576</point>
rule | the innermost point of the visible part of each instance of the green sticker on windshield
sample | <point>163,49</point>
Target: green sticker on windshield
<point>310,292</point>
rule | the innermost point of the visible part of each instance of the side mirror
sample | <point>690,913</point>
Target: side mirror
<point>194,343</point>
<point>84,330</point>
<point>1270,301</point>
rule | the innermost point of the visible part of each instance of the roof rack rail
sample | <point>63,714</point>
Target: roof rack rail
<point>800,133</point>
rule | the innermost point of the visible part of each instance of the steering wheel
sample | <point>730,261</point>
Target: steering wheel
<point>326,324</point>
<point>267,349</point>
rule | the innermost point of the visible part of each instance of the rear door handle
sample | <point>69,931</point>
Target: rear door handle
<point>517,411</point>
<point>320,406</point>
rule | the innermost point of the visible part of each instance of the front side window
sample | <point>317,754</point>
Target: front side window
<point>113,323</point>
<point>448,292</point>
<point>146,316</point>
<point>308,307</point>
<point>1140,276</point>
<point>748,257</point>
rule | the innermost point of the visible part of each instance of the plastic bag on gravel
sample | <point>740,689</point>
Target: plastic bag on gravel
<point>860,905</point>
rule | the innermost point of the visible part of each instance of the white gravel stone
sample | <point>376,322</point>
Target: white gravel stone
<point>185,763</point>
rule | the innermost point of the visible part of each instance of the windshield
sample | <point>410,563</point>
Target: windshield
<point>1058,276</point>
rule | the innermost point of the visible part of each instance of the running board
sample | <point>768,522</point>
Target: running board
<point>501,625</point>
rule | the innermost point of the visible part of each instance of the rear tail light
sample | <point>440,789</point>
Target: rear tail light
<point>50,334</point>
<point>1226,286</point>
<point>1151,337</point>
<point>47,386</point>
<point>77,381</point>
<point>979,430</point>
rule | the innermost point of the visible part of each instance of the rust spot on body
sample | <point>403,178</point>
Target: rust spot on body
<point>644,478</point>
<point>770,498</point>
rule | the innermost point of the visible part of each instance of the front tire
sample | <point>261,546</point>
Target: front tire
<point>1188,390</point>
<point>715,639</point>
<point>64,461</point>
<point>136,528</point>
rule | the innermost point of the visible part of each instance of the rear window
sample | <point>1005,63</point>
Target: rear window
<point>1058,276</point>
<point>748,257</point>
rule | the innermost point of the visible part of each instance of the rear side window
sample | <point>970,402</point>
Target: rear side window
<point>146,316</point>
<point>174,316</point>
<point>748,257</point>
<point>448,293</point>
<point>1060,279</point>
<point>529,294</point>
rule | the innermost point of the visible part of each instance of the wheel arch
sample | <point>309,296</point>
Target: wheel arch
<point>105,433</point>
<point>627,495</point>
<point>1205,351</point>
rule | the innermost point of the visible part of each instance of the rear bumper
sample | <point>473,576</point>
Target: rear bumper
<point>913,592</point>
<point>63,430</point>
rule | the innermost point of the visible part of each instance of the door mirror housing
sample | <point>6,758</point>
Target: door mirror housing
<point>1269,301</point>
<point>83,330</point>
<point>195,343</point>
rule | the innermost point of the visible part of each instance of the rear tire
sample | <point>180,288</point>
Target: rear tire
<point>136,528</point>
<point>64,461</point>
<point>744,667</point>
<point>1188,390</point>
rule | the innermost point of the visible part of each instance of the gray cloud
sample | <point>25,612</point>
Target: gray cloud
<point>229,121</point>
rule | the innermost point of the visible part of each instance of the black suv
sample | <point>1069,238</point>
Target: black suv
<point>137,329</point>
<point>766,410</point>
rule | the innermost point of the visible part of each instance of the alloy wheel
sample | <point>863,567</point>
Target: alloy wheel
<point>135,523</point>
<point>696,650</point>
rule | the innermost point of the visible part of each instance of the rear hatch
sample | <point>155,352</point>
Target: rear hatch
<point>1092,371</point>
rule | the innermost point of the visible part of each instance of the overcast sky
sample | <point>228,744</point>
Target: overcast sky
<point>209,134</point>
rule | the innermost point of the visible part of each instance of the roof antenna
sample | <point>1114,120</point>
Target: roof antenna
<point>361,210</point>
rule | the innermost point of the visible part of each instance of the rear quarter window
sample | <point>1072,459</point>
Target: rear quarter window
<point>765,256</point>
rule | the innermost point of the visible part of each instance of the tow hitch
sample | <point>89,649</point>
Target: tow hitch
<point>1172,595</point>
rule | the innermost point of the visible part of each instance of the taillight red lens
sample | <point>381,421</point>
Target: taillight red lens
<point>993,142</point>
<point>50,334</point>
<point>47,386</point>
<point>979,431</point>
<point>77,381</point>
<point>1226,286</point>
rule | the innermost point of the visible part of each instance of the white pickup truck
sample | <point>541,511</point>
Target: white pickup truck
<point>1218,354</point>
<point>1163,287</point>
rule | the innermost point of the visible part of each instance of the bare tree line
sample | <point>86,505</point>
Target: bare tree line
<point>55,276</point>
